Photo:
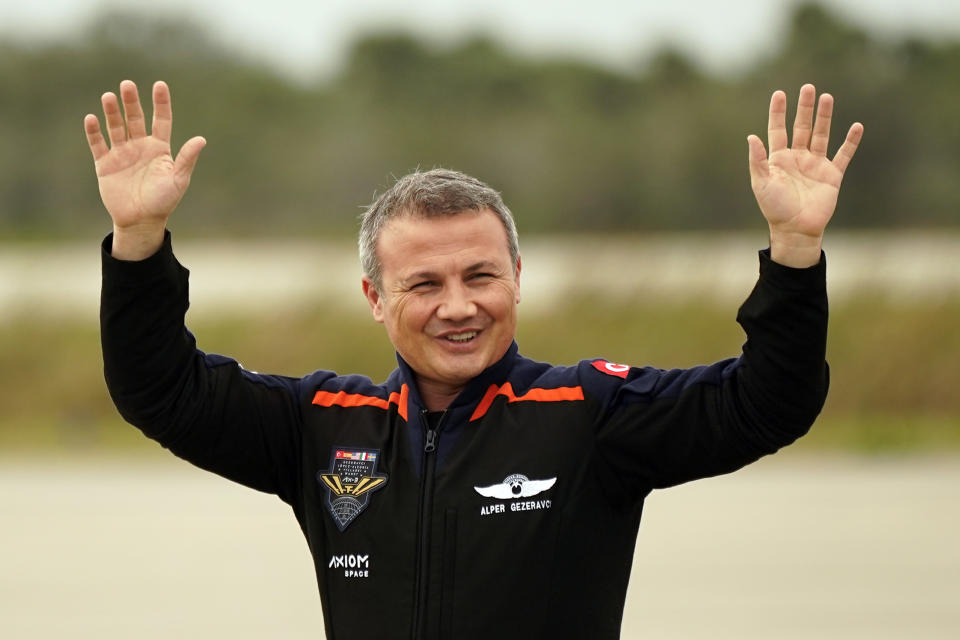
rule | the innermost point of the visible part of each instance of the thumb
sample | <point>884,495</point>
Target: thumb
<point>759,169</point>
<point>186,159</point>
<point>757,157</point>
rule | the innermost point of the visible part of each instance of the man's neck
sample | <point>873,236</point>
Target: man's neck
<point>436,396</point>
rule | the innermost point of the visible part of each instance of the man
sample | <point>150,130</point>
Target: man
<point>475,493</point>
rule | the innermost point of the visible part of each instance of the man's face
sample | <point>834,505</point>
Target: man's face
<point>449,294</point>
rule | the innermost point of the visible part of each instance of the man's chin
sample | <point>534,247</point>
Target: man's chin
<point>459,372</point>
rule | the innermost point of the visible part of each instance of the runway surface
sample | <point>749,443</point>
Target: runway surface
<point>792,547</point>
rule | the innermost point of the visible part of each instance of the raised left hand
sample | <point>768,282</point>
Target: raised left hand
<point>797,186</point>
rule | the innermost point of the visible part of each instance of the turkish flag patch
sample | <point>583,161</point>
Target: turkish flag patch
<point>611,368</point>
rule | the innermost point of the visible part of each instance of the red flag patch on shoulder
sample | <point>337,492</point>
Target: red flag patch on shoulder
<point>611,368</point>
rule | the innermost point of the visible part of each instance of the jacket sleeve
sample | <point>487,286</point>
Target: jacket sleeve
<point>659,428</point>
<point>204,408</point>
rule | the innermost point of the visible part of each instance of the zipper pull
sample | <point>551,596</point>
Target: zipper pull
<point>431,444</point>
<point>431,434</point>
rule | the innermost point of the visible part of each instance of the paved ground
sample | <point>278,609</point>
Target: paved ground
<point>789,548</point>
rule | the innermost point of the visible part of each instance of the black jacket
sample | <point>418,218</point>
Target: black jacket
<point>514,513</point>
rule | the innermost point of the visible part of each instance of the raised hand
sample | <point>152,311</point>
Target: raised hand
<point>797,186</point>
<point>140,181</point>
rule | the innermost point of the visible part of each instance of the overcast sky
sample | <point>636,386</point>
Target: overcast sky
<point>308,37</point>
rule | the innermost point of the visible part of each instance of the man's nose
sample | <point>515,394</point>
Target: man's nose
<point>456,304</point>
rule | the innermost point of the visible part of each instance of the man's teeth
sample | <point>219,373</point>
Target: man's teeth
<point>462,337</point>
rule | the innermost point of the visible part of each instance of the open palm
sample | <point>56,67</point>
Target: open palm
<point>797,186</point>
<point>140,181</point>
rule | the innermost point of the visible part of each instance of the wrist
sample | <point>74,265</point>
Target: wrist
<point>795,250</point>
<point>136,242</point>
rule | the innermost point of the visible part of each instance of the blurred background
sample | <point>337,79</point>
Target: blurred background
<point>616,134</point>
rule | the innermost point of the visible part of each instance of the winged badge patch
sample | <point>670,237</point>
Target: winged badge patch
<point>515,486</point>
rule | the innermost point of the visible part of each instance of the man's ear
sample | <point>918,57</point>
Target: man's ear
<point>374,299</point>
<point>517,282</point>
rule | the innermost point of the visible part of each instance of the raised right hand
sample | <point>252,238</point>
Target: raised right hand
<point>140,181</point>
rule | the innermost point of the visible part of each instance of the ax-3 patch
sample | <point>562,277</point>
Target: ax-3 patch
<point>349,482</point>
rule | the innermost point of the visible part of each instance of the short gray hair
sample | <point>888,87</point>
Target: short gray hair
<point>438,192</point>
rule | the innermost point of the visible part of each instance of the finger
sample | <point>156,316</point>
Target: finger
<point>136,125</point>
<point>849,147</point>
<point>114,119</point>
<point>759,169</point>
<point>821,129</point>
<point>162,112</point>
<point>777,122</point>
<point>802,124</point>
<point>98,146</point>
<point>187,157</point>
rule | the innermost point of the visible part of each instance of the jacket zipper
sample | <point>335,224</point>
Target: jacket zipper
<point>424,523</point>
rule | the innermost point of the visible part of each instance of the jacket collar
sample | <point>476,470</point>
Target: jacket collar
<point>471,394</point>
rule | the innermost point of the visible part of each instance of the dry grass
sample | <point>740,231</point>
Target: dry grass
<point>894,367</point>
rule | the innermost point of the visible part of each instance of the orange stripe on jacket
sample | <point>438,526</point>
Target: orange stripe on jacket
<point>559,394</point>
<point>344,399</point>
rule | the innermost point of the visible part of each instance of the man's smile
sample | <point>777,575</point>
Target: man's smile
<point>466,336</point>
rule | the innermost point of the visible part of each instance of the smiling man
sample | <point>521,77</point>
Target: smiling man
<point>448,282</point>
<point>475,493</point>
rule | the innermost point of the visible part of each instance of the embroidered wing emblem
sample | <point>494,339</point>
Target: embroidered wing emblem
<point>515,486</point>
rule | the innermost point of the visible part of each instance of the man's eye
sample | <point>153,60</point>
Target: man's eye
<point>421,285</point>
<point>481,276</point>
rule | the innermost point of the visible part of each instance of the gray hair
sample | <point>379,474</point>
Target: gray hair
<point>438,192</point>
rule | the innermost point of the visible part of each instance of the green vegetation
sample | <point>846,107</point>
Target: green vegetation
<point>893,377</point>
<point>572,146</point>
